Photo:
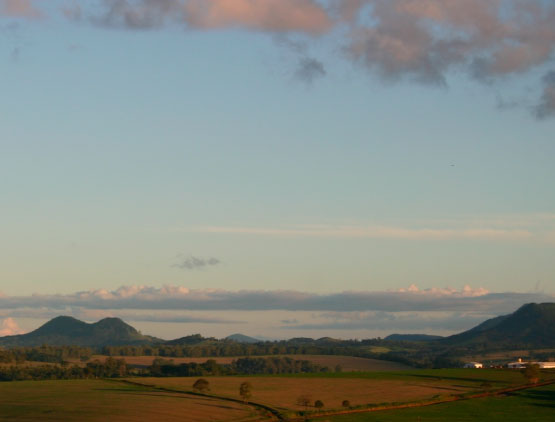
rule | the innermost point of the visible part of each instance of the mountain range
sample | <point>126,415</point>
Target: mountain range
<point>532,325</point>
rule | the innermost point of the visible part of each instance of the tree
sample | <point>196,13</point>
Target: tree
<point>304,400</point>
<point>318,404</point>
<point>346,403</point>
<point>532,372</point>
<point>201,385</point>
<point>486,385</point>
<point>245,391</point>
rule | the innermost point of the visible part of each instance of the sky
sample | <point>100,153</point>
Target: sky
<point>279,168</point>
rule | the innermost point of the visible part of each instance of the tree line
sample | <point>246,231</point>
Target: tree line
<point>117,367</point>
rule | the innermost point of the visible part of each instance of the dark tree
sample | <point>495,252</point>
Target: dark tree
<point>201,385</point>
<point>245,391</point>
<point>346,403</point>
<point>318,404</point>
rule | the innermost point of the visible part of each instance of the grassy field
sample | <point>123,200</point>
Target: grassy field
<point>116,400</point>
<point>533,405</point>
<point>95,400</point>
<point>347,363</point>
<point>281,392</point>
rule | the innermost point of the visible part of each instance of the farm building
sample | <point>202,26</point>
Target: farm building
<point>522,364</point>
<point>473,365</point>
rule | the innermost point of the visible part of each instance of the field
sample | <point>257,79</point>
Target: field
<point>170,399</point>
<point>281,392</point>
<point>533,405</point>
<point>96,400</point>
<point>347,363</point>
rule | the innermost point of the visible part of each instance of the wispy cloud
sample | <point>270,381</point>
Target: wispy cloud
<point>391,321</point>
<point>195,263</point>
<point>309,70</point>
<point>374,232</point>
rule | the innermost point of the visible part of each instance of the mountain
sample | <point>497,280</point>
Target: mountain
<point>241,338</point>
<point>412,337</point>
<point>187,340</point>
<point>532,325</point>
<point>66,331</point>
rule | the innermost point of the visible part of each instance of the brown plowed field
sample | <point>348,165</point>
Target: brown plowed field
<point>282,392</point>
<point>96,400</point>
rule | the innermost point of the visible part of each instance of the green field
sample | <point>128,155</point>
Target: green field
<point>533,405</point>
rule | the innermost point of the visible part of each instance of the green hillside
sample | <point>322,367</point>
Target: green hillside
<point>532,325</point>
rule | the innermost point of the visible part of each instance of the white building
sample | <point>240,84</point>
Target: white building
<point>521,364</point>
<point>473,365</point>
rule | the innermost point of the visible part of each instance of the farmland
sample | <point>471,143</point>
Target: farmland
<point>97,400</point>
<point>168,399</point>
<point>282,392</point>
<point>532,405</point>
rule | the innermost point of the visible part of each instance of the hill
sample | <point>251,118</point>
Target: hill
<point>241,338</point>
<point>532,325</point>
<point>66,331</point>
<point>187,340</point>
<point>411,337</point>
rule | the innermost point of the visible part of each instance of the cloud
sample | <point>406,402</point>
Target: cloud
<point>416,40</point>
<point>143,14</point>
<point>546,107</point>
<point>423,39</point>
<point>9,328</point>
<point>19,9</point>
<point>376,232</point>
<point>393,321</point>
<point>196,263</point>
<point>179,298</point>
<point>269,15</point>
<point>309,69</point>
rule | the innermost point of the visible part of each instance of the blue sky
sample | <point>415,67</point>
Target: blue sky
<point>286,147</point>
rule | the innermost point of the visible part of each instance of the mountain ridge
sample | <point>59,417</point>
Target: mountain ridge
<point>66,331</point>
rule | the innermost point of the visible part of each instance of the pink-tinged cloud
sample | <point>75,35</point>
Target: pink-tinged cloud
<point>426,38</point>
<point>9,327</point>
<point>19,9</point>
<point>265,15</point>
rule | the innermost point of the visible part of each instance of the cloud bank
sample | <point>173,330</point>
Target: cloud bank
<point>182,298</point>
<point>176,310</point>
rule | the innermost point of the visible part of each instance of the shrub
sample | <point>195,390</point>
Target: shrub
<point>201,385</point>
